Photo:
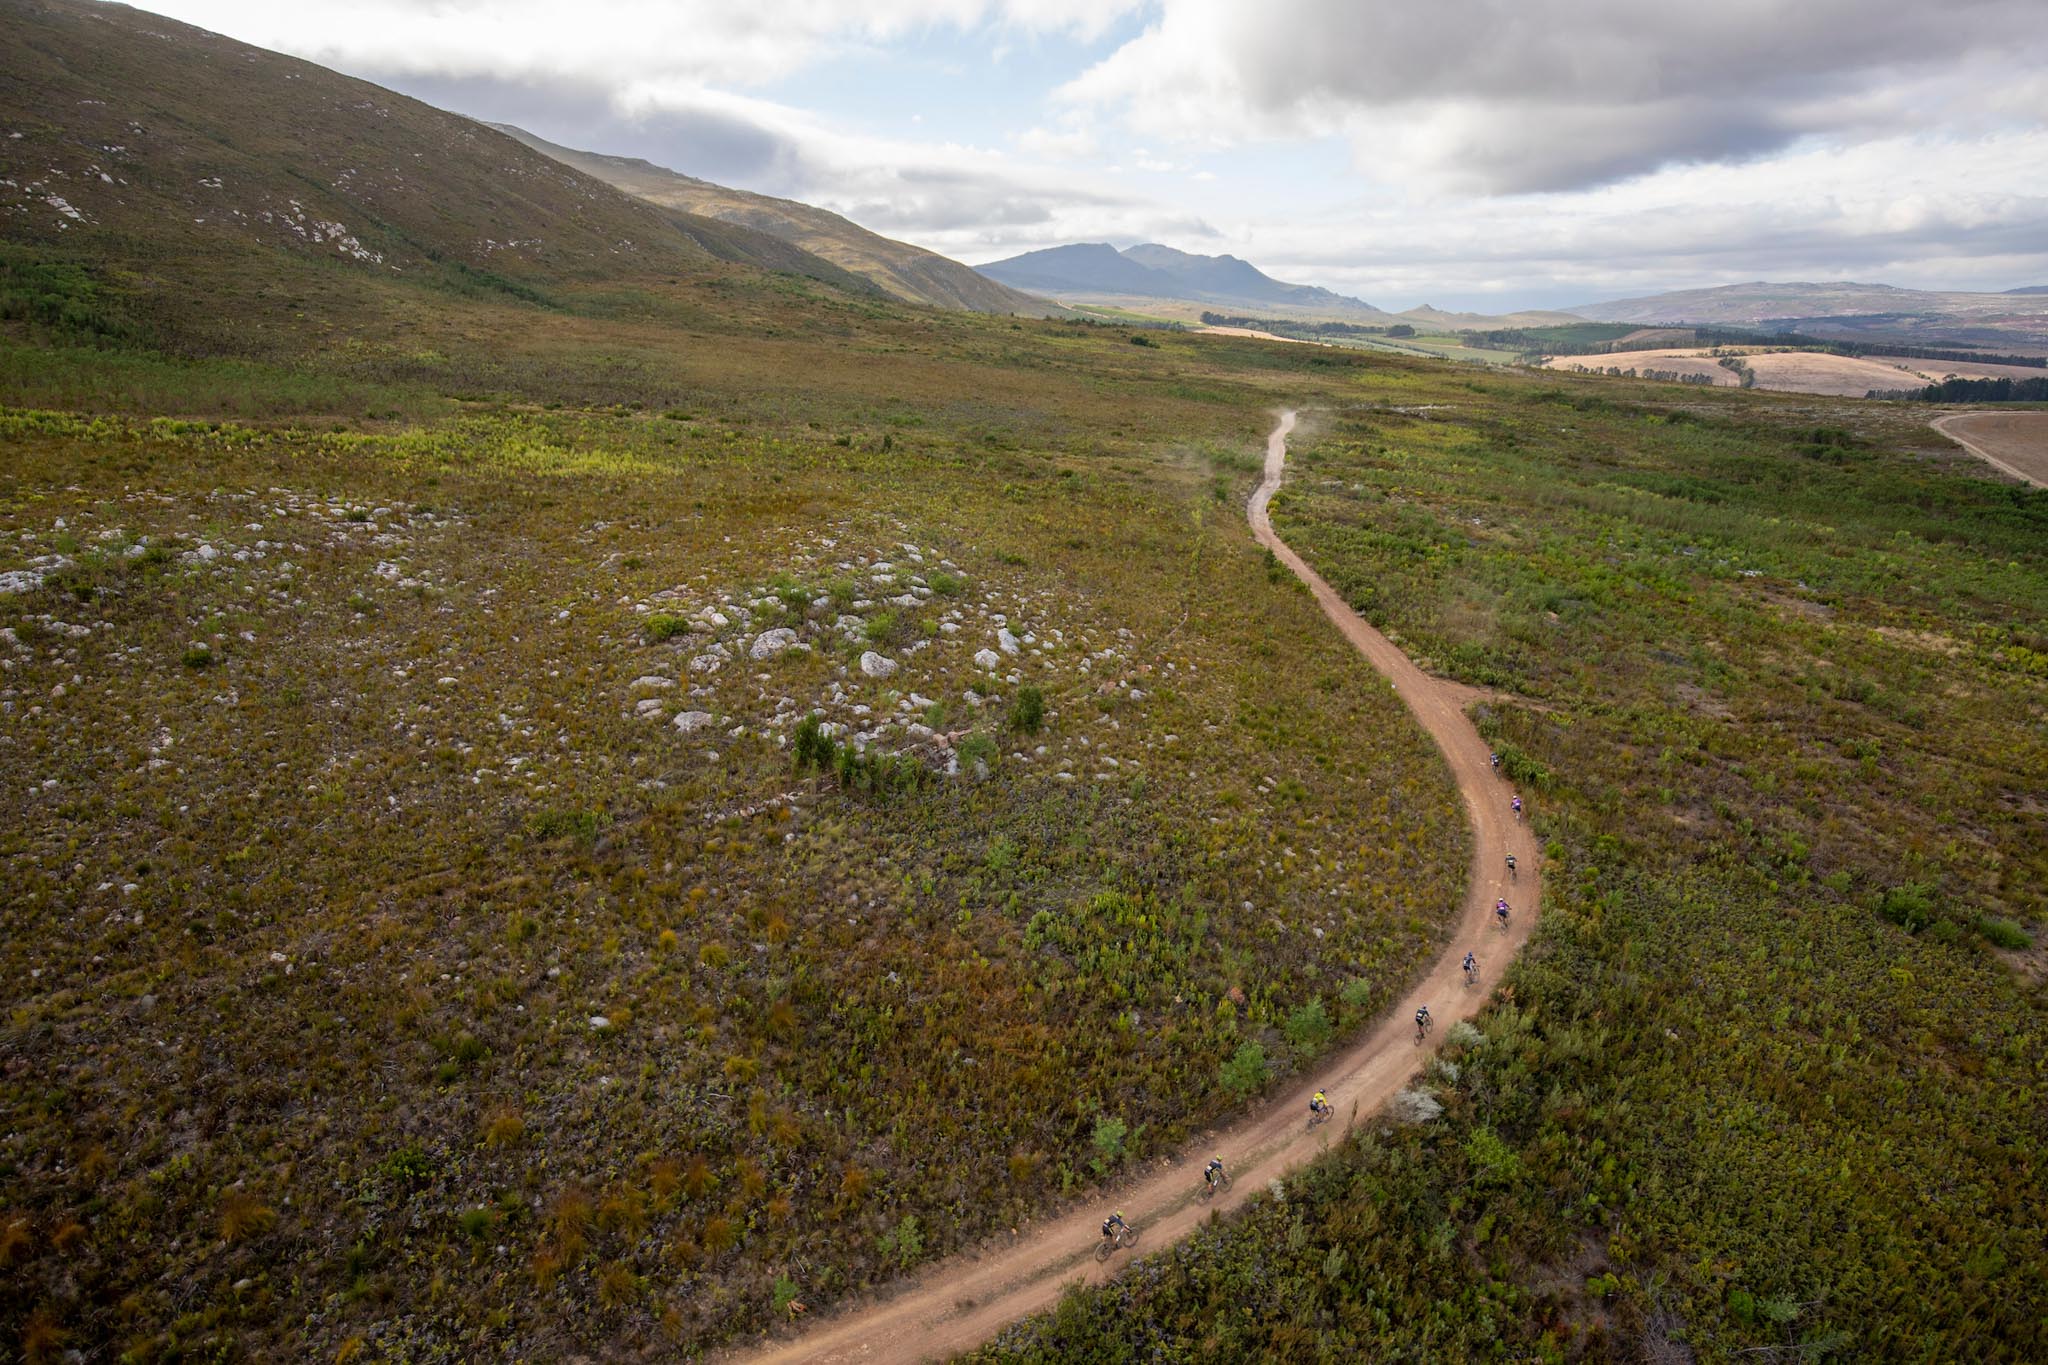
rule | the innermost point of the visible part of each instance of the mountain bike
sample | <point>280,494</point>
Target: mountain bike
<point>1125,1236</point>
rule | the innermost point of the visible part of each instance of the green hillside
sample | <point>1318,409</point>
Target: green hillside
<point>219,188</point>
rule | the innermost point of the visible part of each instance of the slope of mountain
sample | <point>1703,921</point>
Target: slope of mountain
<point>1228,277</point>
<point>140,140</point>
<point>909,272</point>
<point>1083,268</point>
<point>1849,311</point>
<point>1097,270</point>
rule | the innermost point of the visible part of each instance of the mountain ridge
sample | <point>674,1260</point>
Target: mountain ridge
<point>219,179</point>
<point>907,271</point>
<point>1151,270</point>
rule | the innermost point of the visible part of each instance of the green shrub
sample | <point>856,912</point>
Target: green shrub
<point>812,748</point>
<point>977,748</point>
<point>580,825</point>
<point>664,626</point>
<point>1910,905</point>
<point>1108,1138</point>
<point>1245,1073</point>
<point>2004,932</point>
<point>1027,712</point>
<point>409,1164</point>
<point>904,1243</point>
<point>1309,1027</point>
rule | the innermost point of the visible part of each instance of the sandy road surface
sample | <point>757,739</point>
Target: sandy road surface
<point>2016,442</point>
<point>959,1303</point>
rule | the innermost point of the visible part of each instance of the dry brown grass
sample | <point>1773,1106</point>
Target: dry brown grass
<point>2016,441</point>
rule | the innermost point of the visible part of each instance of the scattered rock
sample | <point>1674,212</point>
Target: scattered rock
<point>689,721</point>
<point>876,666</point>
<point>598,1021</point>
<point>1008,641</point>
<point>648,706</point>
<point>988,658</point>
<point>654,681</point>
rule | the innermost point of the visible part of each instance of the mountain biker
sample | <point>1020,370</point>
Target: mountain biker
<point>1511,865</point>
<point>1518,807</point>
<point>1214,1174</point>
<point>1317,1104</point>
<point>1500,912</point>
<point>1495,760</point>
<point>1114,1224</point>
<point>1471,963</point>
<point>1421,1017</point>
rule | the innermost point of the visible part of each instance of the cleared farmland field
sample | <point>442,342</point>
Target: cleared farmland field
<point>2016,442</point>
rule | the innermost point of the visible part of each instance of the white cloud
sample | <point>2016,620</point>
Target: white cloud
<point>628,41</point>
<point>1057,145</point>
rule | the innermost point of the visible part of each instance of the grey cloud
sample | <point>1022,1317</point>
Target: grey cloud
<point>1511,96</point>
<point>925,203</point>
<point>708,144</point>
<point>1579,258</point>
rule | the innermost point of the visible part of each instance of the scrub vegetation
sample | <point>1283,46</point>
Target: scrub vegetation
<point>1768,1081</point>
<point>569,789</point>
<point>589,866</point>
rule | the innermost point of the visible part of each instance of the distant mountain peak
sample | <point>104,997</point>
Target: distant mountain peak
<point>1154,270</point>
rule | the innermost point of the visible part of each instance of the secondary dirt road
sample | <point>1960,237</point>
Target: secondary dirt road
<point>2016,442</point>
<point>960,1303</point>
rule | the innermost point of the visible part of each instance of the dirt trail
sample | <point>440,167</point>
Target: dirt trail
<point>957,1304</point>
<point>2014,442</point>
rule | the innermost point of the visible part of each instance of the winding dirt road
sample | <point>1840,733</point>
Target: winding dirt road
<point>959,1303</point>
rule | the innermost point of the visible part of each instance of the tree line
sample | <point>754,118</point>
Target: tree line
<point>2002,390</point>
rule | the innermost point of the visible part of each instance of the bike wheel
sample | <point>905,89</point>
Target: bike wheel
<point>1103,1248</point>
<point>1129,1238</point>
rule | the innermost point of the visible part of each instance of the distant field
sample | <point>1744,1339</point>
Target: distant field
<point>2015,441</point>
<point>1816,372</point>
<point>1839,375</point>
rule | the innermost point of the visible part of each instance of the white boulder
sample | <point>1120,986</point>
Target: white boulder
<point>770,643</point>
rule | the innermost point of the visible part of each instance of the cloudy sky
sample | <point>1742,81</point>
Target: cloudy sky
<point>1483,154</point>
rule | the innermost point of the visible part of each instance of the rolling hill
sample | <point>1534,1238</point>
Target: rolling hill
<point>909,272</point>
